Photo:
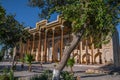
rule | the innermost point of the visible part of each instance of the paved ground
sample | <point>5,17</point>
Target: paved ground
<point>79,70</point>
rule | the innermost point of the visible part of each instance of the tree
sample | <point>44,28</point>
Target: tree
<point>2,14</point>
<point>96,18</point>
<point>11,32</point>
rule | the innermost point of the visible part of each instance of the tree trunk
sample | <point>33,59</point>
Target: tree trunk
<point>14,55</point>
<point>71,68</point>
<point>66,55</point>
<point>30,67</point>
<point>116,49</point>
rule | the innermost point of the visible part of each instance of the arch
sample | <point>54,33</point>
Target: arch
<point>98,55</point>
<point>84,58</point>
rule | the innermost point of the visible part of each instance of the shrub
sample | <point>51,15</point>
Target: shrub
<point>11,75</point>
<point>4,77</point>
<point>47,75</point>
<point>67,76</point>
<point>1,56</point>
<point>70,63</point>
<point>28,59</point>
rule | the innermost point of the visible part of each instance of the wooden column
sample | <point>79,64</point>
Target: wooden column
<point>45,47</point>
<point>39,47</point>
<point>77,54</point>
<point>42,50</point>
<point>80,44</point>
<point>33,43</point>
<point>23,48</point>
<point>20,50</point>
<point>53,44</point>
<point>61,45</point>
<point>87,55</point>
<point>92,49</point>
<point>28,46</point>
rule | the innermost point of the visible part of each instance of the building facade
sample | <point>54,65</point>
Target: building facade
<point>49,40</point>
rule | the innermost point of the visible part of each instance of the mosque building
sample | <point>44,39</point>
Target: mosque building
<point>49,40</point>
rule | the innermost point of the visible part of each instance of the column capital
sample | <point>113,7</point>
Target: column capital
<point>62,26</point>
<point>40,30</point>
<point>53,29</point>
<point>46,30</point>
<point>33,34</point>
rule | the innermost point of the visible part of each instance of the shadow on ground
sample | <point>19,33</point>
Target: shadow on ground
<point>110,69</point>
<point>36,69</point>
<point>93,75</point>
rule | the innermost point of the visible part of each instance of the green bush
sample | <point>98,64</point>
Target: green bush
<point>67,76</point>
<point>11,75</point>
<point>1,56</point>
<point>70,63</point>
<point>28,59</point>
<point>47,75</point>
<point>4,77</point>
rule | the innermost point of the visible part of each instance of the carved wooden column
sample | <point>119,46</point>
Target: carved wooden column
<point>77,54</point>
<point>20,50</point>
<point>42,50</point>
<point>23,48</point>
<point>87,55</point>
<point>61,45</point>
<point>45,47</point>
<point>28,46</point>
<point>80,44</point>
<point>53,44</point>
<point>92,49</point>
<point>39,47</point>
<point>33,43</point>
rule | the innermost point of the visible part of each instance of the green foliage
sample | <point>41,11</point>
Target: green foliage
<point>28,58</point>
<point>47,75</point>
<point>22,60</point>
<point>11,31</point>
<point>6,76</point>
<point>2,14</point>
<point>1,55</point>
<point>67,76</point>
<point>14,67</point>
<point>99,16</point>
<point>11,75</point>
<point>70,62</point>
<point>5,71</point>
